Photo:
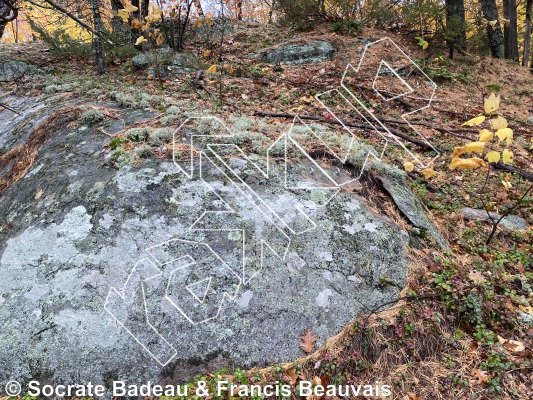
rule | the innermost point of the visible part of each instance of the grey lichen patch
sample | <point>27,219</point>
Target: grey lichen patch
<point>92,117</point>
<point>160,136</point>
<point>137,134</point>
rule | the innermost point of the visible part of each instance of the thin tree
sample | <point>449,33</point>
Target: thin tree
<point>198,7</point>
<point>97,40</point>
<point>455,25</point>
<point>527,34</point>
<point>510,30</point>
<point>494,31</point>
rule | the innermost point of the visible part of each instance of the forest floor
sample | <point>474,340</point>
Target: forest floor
<point>464,329</point>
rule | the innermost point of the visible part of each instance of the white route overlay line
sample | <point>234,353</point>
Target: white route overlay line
<point>120,303</point>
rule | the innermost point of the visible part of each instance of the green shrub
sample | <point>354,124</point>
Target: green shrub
<point>348,27</point>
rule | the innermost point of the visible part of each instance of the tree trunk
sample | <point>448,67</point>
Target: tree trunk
<point>527,34</point>
<point>145,5</point>
<point>98,27</point>
<point>494,31</point>
<point>8,13</point>
<point>455,25</point>
<point>198,7</point>
<point>238,5</point>
<point>510,30</point>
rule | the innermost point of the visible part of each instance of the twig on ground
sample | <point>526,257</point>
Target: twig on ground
<point>395,132</point>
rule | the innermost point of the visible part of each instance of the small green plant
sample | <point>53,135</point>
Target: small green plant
<point>348,27</point>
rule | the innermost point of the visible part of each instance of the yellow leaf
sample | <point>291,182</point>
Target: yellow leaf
<point>507,156</point>
<point>493,23</point>
<point>408,166</point>
<point>124,14</point>
<point>146,26</point>
<point>229,68</point>
<point>474,121</point>
<point>129,8</point>
<point>306,100</point>
<point>498,123</point>
<point>197,23</point>
<point>150,77</point>
<point>159,40</point>
<point>466,163</point>
<point>428,173</point>
<point>140,39</point>
<point>425,45</point>
<point>492,103</point>
<point>208,20</point>
<point>136,24</point>
<point>505,134</point>
<point>493,156</point>
<point>472,147</point>
<point>507,185</point>
<point>206,53</point>
<point>485,135</point>
<point>157,11</point>
<point>211,70</point>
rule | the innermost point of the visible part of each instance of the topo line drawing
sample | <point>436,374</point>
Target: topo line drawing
<point>197,281</point>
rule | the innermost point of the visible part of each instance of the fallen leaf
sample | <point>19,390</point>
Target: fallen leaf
<point>481,376</point>
<point>39,194</point>
<point>476,277</point>
<point>473,347</point>
<point>291,376</point>
<point>526,309</point>
<point>211,70</point>
<point>413,396</point>
<point>308,340</point>
<point>513,346</point>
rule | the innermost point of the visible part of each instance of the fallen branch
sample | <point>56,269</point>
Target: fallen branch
<point>395,132</point>
<point>510,168</point>
<point>9,108</point>
<point>62,9</point>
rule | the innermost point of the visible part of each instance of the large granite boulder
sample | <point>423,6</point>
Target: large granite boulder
<point>138,272</point>
<point>12,70</point>
<point>299,53</point>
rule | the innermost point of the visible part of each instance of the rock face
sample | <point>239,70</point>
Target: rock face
<point>137,273</point>
<point>300,53</point>
<point>12,70</point>
<point>513,222</point>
